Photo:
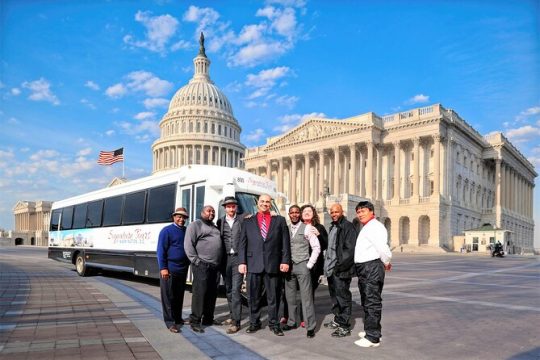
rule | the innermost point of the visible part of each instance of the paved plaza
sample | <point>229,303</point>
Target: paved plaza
<point>455,306</point>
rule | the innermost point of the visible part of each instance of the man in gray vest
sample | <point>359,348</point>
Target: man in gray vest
<point>303,240</point>
<point>230,227</point>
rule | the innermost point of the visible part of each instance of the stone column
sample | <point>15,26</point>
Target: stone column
<point>397,171</point>
<point>369,170</point>
<point>361,175</point>
<point>335,184</point>
<point>352,171</point>
<point>280,180</point>
<point>269,169</point>
<point>292,196</point>
<point>416,168</point>
<point>306,178</point>
<point>380,149</point>
<point>437,166</point>
<point>498,192</point>
<point>321,172</point>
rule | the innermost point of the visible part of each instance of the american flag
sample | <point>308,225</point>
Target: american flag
<point>110,157</point>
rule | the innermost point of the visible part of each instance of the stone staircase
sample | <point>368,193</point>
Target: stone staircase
<point>419,249</point>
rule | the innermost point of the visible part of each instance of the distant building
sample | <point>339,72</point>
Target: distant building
<point>483,238</point>
<point>429,173</point>
<point>199,126</point>
<point>31,223</point>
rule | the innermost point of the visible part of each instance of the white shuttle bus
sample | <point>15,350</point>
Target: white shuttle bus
<point>117,228</point>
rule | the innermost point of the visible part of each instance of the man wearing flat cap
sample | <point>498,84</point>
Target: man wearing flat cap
<point>230,227</point>
<point>173,267</point>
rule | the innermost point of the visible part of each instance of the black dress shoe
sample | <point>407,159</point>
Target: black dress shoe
<point>197,328</point>
<point>277,330</point>
<point>253,328</point>
<point>311,334</point>
<point>287,327</point>
<point>214,322</point>
<point>174,329</point>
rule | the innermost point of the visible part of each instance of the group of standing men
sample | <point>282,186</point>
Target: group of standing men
<point>267,251</point>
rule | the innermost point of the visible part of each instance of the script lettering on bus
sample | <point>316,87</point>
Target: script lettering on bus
<point>136,236</point>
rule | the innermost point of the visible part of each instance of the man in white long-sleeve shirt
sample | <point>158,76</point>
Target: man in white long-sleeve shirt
<point>372,258</point>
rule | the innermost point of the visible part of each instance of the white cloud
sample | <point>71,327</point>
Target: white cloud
<point>110,132</point>
<point>151,103</point>
<point>92,85</point>
<point>159,31</point>
<point>535,110</point>
<point>418,99</point>
<point>288,122</point>
<point>522,134</point>
<point>144,115</point>
<point>143,131</point>
<point>268,77</point>
<point>88,103</point>
<point>148,83</point>
<point>288,101</point>
<point>44,154</point>
<point>15,91</point>
<point>85,151</point>
<point>13,121</point>
<point>41,91</point>
<point>116,91</point>
<point>283,21</point>
<point>140,81</point>
<point>181,45</point>
<point>255,135</point>
<point>256,53</point>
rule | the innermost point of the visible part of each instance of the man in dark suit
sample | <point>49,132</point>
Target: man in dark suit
<point>264,252</point>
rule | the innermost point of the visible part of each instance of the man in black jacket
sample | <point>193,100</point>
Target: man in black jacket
<point>264,253</point>
<point>339,270</point>
<point>230,227</point>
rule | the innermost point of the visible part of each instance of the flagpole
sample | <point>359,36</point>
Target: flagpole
<point>123,165</point>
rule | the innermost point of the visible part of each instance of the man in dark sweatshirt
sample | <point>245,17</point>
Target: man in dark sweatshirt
<point>173,266</point>
<point>204,249</point>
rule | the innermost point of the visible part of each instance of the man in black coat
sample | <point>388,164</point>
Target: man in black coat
<point>264,253</point>
<point>339,270</point>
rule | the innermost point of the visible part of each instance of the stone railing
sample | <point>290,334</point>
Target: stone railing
<point>414,114</point>
<point>424,199</point>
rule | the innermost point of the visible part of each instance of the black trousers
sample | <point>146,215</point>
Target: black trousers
<point>273,286</point>
<point>370,283</point>
<point>172,298</point>
<point>340,293</point>
<point>204,293</point>
<point>233,286</point>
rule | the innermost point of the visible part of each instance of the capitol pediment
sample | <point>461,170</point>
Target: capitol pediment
<point>313,130</point>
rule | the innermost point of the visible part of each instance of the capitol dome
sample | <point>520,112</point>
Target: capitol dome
<point>199,126</point>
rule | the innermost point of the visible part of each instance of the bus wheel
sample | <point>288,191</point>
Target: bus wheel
<point>80,265</point>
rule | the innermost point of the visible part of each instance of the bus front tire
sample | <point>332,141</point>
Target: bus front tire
<point>80,265</point>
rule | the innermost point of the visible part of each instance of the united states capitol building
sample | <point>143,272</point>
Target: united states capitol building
<point>429,173</point>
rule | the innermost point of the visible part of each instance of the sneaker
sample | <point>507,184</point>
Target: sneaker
<point>331,325</point>
<point>341,332</point>
<point>365,343</point>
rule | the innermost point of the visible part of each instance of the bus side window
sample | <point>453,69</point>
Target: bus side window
<point>79,216</point>
<point>199,201</point>
<point>55,219</point>
<point>134,206</point>
<point>160,203</point>
<point>93,215</point>
<point>67,218</point>
<point>112,211</point>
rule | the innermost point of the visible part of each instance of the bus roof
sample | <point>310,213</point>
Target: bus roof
<point>215,176</point>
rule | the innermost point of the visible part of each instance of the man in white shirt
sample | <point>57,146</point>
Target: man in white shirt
<point>372,258</point>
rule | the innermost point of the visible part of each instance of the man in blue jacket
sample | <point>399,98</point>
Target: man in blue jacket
<point>173,266</point>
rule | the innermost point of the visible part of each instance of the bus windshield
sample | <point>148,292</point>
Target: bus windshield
<point>247,203</point>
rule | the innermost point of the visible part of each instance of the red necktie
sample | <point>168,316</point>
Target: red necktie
<point>264,227</point>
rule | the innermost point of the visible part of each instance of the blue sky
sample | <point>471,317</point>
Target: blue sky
<point>77,77</point>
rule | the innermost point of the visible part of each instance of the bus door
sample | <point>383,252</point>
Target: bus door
<point>192,198</point>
